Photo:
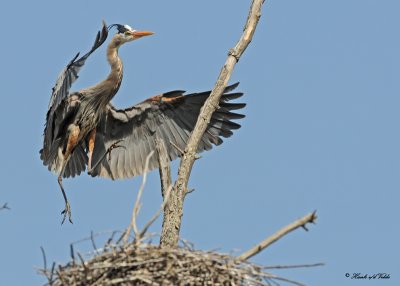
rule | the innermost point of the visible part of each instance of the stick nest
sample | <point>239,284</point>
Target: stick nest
<point>146,264</point>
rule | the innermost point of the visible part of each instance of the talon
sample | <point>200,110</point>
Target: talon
<point>180,151</point>
<point>113,146</point>
<point>108,152</point>
<point>65,212</point>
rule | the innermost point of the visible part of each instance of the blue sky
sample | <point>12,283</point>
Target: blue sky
<point>322,130</point>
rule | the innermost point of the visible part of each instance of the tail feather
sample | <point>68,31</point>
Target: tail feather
<point>55,159</point>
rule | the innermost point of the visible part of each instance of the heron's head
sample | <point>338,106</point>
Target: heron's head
<point>127,34</point>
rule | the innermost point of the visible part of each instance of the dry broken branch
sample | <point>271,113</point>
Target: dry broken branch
<point>294,266</point>
<point>163,162</point>
<point>136,208</point>
<point>140,235</point>
<point>167,236</point>
<point>310,218</point>
<point>157,214</point>
<point>174,215</point>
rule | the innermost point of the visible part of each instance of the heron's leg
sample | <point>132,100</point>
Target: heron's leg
<point>73,134</point>
<point>92,137</point>
<point>108,151</point>
<point>67,209</point>
<point>181,152</point>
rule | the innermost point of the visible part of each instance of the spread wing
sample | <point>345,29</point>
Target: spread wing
<point>170,116</point>
<point>63,117</point>
<point>63,84</point>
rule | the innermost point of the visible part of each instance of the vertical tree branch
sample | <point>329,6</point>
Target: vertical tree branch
<point>167,238</point>
<point>163,162</point>
<point>175,204</point>
<point>136,207</point>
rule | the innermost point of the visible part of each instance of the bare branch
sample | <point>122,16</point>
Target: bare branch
<point>93,242</point>
<point>48,273</point>
<point>288,280</point>
<point>310,218</point>
<point>180,187</point>
<point>157,214</point>
<point>44,258</point>
<point>167,236</point>
<point>165,174</point>
<point>166,181</point>
<point>110,239</point>
<point>83,263</point>
<point>294,266</point>
<point>72,252</point>
<point>133,224</point>
<point>92,235</point>
<point>163,162</point>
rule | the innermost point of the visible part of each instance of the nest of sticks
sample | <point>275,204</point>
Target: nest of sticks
<point>147,264</point>
<point>143,263</point>
<point>138,262</point>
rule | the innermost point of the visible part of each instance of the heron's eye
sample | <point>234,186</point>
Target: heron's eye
<point>127,33</point>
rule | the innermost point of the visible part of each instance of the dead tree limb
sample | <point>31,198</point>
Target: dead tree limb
<point>310,218</point>
<point>136,208</point>
<point>175,205</point>
<point>158,213</point>
<point>163,162</point>
<point>166,184</point>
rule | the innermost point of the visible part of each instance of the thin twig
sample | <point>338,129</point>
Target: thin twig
<point>44,258</point>
<point>157,214</point>
<point>310,218</point>
<point>53,267</point>
<point>82,262</point>
<point>110,239</point>
<point>85,239</point>
<point>72,252</point>
<point>136,208</point>
<point>49,276</point>
<point>177,148</point>
<point>288,280</point>
<point>93,242</point>
<point>293,266</point>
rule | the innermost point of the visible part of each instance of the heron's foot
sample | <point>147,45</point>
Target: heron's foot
<point>114,146</point>
<point>181,152</point>
<point>66,212</point>
<point>108,151</point>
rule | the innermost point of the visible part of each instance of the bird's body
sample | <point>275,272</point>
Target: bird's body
<point>80,112</point>
<point>83,127</point>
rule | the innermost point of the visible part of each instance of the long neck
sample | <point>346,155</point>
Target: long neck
<point>101,94</point>
<point>114,79</point>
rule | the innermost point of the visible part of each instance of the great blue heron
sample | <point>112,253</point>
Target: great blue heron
<point>83,127</point>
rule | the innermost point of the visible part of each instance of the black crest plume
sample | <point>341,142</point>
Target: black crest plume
<point>121,28</point>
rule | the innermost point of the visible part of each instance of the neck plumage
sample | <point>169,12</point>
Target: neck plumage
<point>102,93</point>
<point>114,79</point>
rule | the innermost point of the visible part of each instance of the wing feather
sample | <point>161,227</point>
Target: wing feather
<point>170,116</point>
<point>61,89</point>
<point>70,73</point>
